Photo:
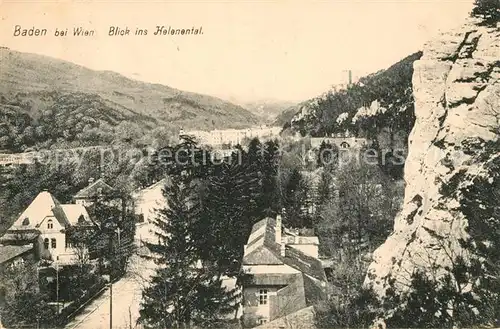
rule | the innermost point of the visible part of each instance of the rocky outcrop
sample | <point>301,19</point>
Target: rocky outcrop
<point>457,106</point>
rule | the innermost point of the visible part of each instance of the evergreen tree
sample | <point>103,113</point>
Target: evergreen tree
<point>325,194</point>
<point>488,10</point>
<point>230,210</point>
<point>255,153</point>
<point>269,203</point>
<point>295,200</point>
<point>183,292</point>
<point>328,155</point>
<point>21,301</point>
<point>114,238</point>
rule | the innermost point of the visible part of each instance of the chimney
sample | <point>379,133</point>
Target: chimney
<point>278,229</point>
<point>278,235</point>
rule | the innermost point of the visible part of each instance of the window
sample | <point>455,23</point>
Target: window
<point>53,243</point>
<point>50,224</point>
<point>344,145</point>
<point>262,321</point>
<point>46,243</point>
<point>263,296</point>
<point>26,221</point>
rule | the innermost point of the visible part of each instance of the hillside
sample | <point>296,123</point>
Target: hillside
<point>36,89</point>
<point>379,101</point>
<point>285,117</point>
<point>268,110</point>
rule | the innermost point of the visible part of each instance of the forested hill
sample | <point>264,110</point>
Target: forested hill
<point>379,106</point>
<point>50,101</point>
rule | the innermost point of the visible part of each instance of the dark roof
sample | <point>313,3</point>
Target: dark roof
<point>59,213</point>
<point>314,290</point>
<point>44,205</point>
<point>272,279</point>
<point>304,263</point>
<point>97,187</point>
<point>20,237</point>
<point>262,247</point>
<point>300,293</point>
<point>292,297</point>
<point>10,252</point>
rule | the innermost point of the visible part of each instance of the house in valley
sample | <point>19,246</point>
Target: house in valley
<point>341,141</point>
<point>13,255</point>
<point>147,201</point>
<point>46,222</point>
<point>284,279</point>
<point>87,195</point>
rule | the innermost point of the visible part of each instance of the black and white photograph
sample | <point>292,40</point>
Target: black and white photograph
<point>266,164</point>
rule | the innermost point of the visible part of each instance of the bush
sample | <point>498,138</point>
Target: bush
<point>67,313</point>
<point>359,311</point>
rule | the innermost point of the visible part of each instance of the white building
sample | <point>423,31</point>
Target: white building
<point>51,220</point>
<point>231,137</point>
<point>148,200</point>
<point>284,277</point>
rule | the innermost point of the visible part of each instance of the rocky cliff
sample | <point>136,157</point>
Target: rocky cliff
<point>457,106</point>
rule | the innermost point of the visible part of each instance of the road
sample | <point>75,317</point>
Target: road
<point>127,295</point>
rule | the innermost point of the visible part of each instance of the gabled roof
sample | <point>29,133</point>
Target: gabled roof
<point>96,188</point>
<point>152,191</point>
<point>302,292</point>
<point>9,252</point>
<point>272,279</point>
<point>44,205</point>
<point>314,290</point>
<point>77,214</point>
<point>304,263</point>
<point>262,248</point>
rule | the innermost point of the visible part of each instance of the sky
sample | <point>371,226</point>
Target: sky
<point>249,50</point>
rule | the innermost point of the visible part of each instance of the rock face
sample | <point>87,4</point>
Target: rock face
<point>457,106</point>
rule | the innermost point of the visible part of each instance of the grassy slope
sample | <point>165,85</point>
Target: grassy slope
<point>30,73</point>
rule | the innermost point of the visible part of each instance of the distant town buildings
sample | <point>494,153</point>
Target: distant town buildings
<point>284,277</point>
<point>231,137</point>
<point>341,140</point>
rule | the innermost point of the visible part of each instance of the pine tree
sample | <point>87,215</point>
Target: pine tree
<point>295,199</point>
<point>182,292</point>
<point>230,210</point>
<point>114,239</point>
<point>269,202</point>
<point>22,304</point>
<point>255,153</point>
<point>328,155</point>
<point>488,10</point>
